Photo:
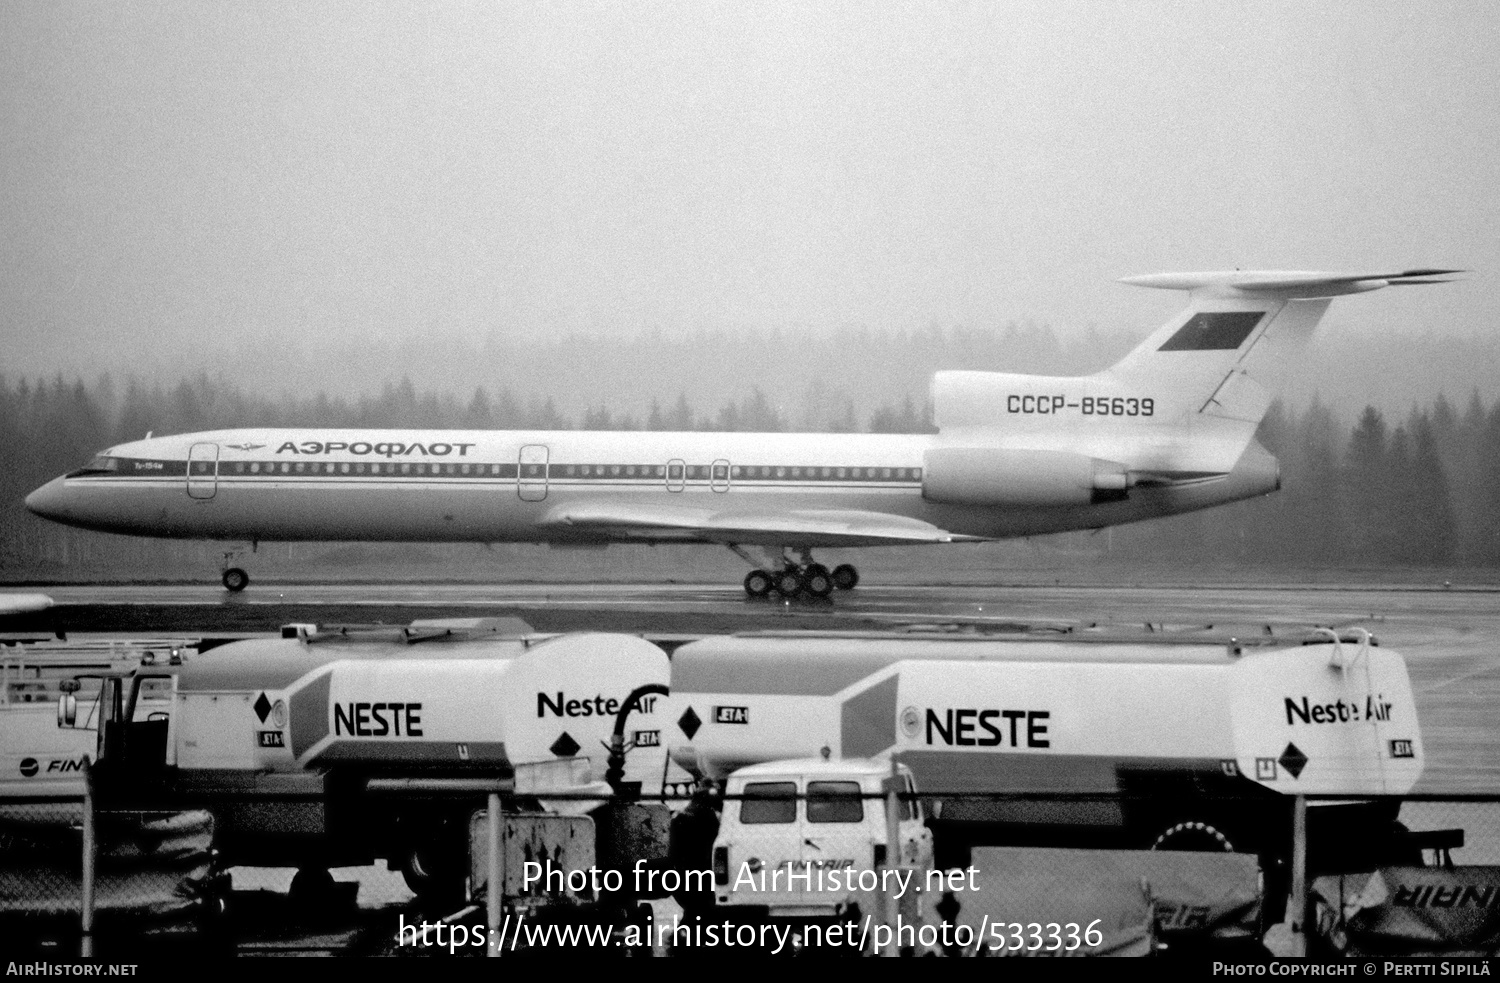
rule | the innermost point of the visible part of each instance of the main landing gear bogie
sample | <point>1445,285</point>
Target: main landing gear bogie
<point>814,581</point>
<point>809,580</point>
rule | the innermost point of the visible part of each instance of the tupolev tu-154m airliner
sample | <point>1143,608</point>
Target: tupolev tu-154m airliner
<point>1168,429</point>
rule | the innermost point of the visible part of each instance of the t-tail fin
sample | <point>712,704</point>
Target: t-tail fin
<point>1187,400</point>
<point>1239,339</point>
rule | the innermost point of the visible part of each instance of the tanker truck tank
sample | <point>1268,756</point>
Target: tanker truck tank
<point>1029,740</point>
<point>457,706</point>
<point>320,751</point>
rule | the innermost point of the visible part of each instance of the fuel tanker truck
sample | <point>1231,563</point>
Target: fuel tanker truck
<point>1029,741</point>
<point>335,749</point>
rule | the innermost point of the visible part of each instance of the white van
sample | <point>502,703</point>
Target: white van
<point>807,838</point>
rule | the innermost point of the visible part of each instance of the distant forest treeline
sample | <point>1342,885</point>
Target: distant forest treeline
<point>1423,490</point>
<point>809,373</point>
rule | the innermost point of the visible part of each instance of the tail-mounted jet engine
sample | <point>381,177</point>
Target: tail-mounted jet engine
<point>1009,476</point>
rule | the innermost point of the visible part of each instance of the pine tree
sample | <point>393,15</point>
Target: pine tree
<point>138,413</point>
<point>1485,548</point>
<point>885,420</point>
<point>845,421</point>
<point>479,415</point>
<point>1426,503</point>
<point>681,418</point>
<point>1366,476</point>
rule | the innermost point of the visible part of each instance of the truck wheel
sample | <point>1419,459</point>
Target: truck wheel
<point>432,874</point>
<point>1193,836</point>
<point>311,887</point>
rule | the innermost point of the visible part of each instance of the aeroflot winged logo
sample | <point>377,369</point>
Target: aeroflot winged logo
<point>382,448</point>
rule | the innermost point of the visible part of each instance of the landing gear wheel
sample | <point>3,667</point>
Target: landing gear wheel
<point>235,580</point>
<point>788,582</point>
<point>816,580</point>
<point>757,583</point>
<point>1193,836</point>
<point>845,577</point>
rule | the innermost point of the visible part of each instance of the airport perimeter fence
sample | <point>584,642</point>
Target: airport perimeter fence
<point>66,866</point>
<point>41,859</point>
<point>80,877</point>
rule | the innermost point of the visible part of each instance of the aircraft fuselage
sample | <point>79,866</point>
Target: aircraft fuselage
<point>511,486</point>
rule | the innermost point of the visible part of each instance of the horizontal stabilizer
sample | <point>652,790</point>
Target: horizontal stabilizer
<point>1286,283</point>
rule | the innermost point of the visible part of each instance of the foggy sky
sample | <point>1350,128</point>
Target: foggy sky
<point>181,179</point>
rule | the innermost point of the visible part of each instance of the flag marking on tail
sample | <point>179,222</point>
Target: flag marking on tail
<point>1214,331</point>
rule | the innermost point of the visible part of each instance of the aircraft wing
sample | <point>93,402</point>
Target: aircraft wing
<point>1169,479</point>
<point>829,527</point>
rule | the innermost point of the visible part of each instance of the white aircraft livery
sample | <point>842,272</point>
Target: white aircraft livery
<point>1168,429</point>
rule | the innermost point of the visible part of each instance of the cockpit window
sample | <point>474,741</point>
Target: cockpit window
<point>101,464</point>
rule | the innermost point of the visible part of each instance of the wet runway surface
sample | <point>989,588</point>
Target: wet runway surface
<point>1450,637</point>
<point>1179,604</point>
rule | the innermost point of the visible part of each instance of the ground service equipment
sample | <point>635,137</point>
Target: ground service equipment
<point>332,750</point>
<point>1048,742</point>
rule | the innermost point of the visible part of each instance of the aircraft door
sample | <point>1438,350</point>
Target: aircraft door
<point>203,471</point>
<point>531,473</point>
<point>676,474</point>
<point>719,476</point>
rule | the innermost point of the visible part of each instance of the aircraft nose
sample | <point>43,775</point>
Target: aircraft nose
<point>49,501</point>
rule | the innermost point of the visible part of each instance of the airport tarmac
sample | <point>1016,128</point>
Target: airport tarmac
<point>1450,636</point>
<point>1251,604</point>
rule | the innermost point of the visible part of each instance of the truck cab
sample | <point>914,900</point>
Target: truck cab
<point>796,836</point>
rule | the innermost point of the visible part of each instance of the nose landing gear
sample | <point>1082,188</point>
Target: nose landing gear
<point>234,578</point>
<point>796,576</point>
